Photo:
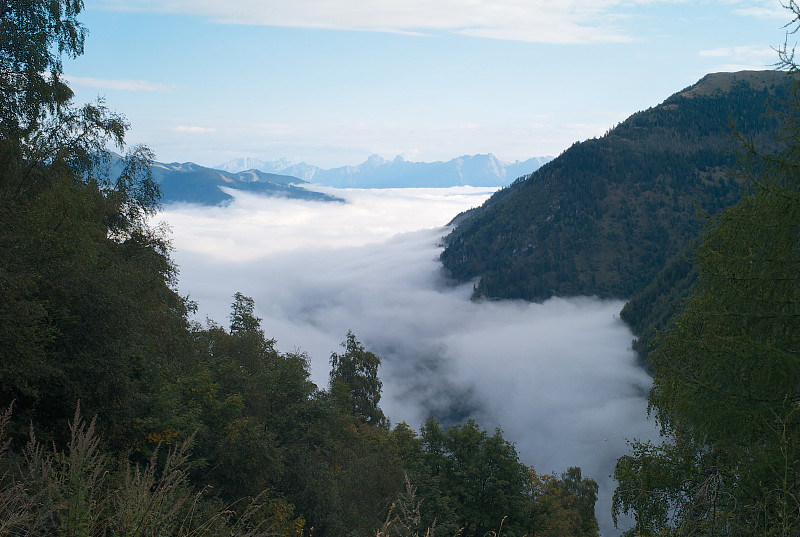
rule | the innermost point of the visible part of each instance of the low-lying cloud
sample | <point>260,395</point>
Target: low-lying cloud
<point>559,378</point>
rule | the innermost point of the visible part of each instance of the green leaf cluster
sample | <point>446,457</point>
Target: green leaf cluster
<point>471,483</point>
<point>355,382</point>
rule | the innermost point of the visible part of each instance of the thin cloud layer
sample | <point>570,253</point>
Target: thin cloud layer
<point>347,142</point>
<point>542,21</point>
<point>766,9</point>
<point>272,86</point>
<point>539,21</point>
<point>122,85</point>
<point>194,129</point>
<point>558,377</point>
<point>741,58</point>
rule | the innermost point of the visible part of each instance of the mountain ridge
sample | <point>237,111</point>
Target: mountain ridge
<point>377,172</point>
<point>604,216</point>
<point>187,182</point>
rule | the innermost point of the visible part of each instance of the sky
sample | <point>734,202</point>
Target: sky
<point>330,82</point>
<point>559,378</point>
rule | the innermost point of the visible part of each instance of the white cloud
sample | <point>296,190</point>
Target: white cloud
<point>566,21</point>
<point>122,85</point>
<point>741,57</point>
<point>742,51</point>
<point>768,10</point>
<point>256,227</point>
<point>193,129</point>
<point>558,377</point>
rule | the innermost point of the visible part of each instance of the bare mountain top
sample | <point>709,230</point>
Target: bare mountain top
<point>723,82</point>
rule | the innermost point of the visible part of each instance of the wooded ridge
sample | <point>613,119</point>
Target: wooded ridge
<point>605,216</point>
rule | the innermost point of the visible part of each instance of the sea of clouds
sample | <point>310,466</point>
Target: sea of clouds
<point>559,378</point>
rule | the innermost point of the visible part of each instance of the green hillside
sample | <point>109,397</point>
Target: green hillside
<point>652,309</point>
<point>605,216</point>
<point>724,363</point>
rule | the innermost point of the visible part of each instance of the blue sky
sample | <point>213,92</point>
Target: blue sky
<point>330,82</point>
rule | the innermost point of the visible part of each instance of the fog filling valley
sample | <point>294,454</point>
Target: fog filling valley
<point>558,378</point>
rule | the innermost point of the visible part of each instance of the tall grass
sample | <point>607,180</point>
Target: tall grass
<point>81,492</point>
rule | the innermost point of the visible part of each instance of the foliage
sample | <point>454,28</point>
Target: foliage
<point>404,519</point>
<point>78,259</point>
<point>727,375</point>
<point>354,378</point>
<point>650,310</point>
<point>34,34</point>
<point>565,505</point>
<point>472,483</point>
<point>243,318</point>
<point>79,492</point>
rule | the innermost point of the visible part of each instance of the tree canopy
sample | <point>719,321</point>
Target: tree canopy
<point>34,35</point>
<point>354,377</point>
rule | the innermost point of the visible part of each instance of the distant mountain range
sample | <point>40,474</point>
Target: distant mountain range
<point>606,215</point>
<point>376,172</point>
<point>192,183</point>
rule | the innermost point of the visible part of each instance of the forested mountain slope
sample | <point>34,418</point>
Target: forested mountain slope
<point>652,309</point>
<point>725,370</point>
<point>605,216</point>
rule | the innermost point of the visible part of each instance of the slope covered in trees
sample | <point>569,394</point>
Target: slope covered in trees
<point>651,309</point>
<point>725,365</point>
<point>605,216</point>
<point>185,429</point>
<point>726,372</point>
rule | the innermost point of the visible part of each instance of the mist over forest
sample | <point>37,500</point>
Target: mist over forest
<point>558,377</point>
<point>406,361</point>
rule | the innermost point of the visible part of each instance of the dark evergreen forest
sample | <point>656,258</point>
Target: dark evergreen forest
<point>605,216</point>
